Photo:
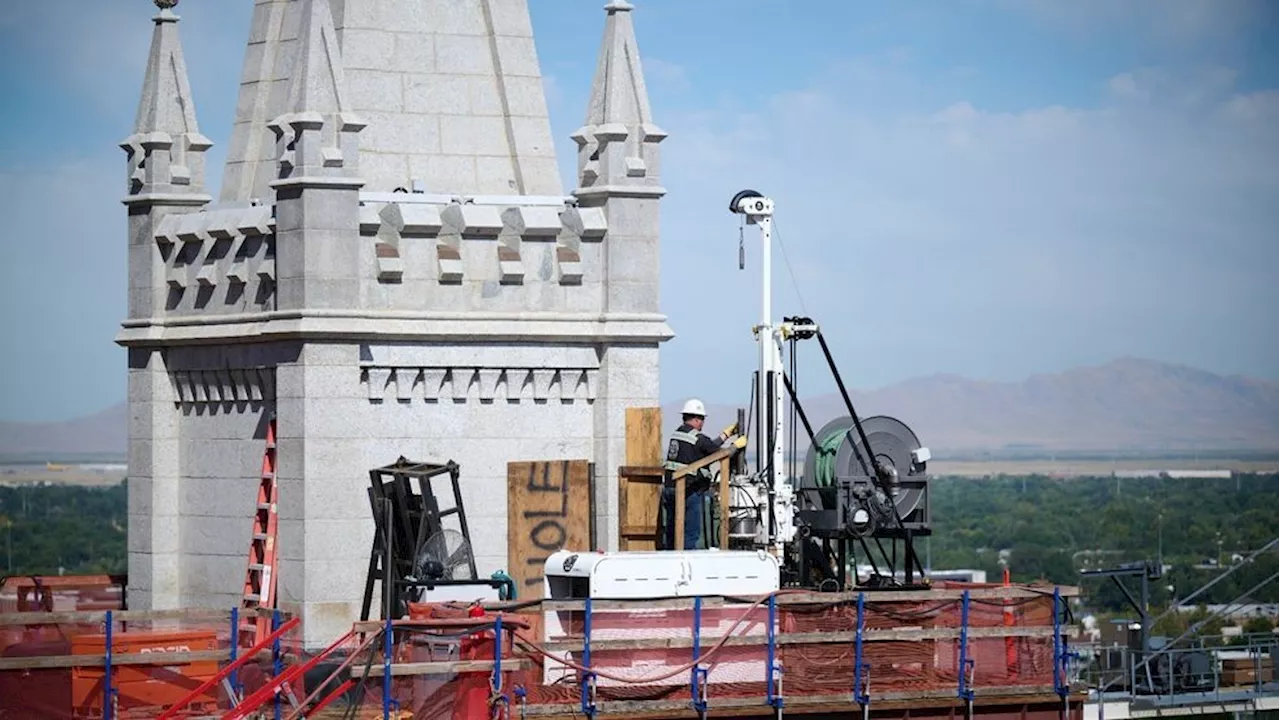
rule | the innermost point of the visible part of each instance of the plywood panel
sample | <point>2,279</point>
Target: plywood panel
<point>639,496</point>
<point>548,509</point>
<point>644,436</point>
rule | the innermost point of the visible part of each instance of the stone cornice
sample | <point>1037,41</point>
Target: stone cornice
<point>395,326</point>
<point>174,199</point>
<point>632,191</point>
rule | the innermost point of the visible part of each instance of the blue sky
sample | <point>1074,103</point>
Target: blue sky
<point>993,188</point>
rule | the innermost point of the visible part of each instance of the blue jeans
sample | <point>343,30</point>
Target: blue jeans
<point>694,514</point>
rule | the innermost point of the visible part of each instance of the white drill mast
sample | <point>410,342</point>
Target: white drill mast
<point>769,423</point>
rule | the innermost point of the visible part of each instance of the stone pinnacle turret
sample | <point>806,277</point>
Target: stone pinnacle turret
<point>317,137</point>
<point>166,149</point>
<point>618,143</point>
<point>165,185</point>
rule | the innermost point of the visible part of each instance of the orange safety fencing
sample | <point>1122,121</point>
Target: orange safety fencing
<point>119,664</point>
<point>441,658</point>
<point>641,651</point>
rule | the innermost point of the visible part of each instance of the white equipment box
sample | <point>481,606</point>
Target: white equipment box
<point>651,575</point>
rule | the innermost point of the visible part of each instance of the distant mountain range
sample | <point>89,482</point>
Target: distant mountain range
<point>104,435</point>
<point>1126,406</point>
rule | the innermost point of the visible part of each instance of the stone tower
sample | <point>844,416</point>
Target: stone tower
<point>392,268</point>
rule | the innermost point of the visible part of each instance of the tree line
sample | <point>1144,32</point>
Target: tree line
<point>1043,528</point>
<point>1051,528</point>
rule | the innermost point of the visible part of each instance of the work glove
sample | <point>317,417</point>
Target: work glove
<point>741,442</point>
<point>727,432</point>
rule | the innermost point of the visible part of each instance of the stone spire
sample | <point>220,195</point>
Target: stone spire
<point>166,149</point>
<point>618,143</point>
<point>452,92</point>
<point>317,138</point>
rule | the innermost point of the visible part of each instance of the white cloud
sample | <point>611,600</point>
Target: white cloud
<point>670,76</point>
<point>992,244</point>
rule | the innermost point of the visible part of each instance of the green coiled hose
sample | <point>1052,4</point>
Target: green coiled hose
<point>824,463</point>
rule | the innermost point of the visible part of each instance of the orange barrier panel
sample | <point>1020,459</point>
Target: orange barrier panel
<point>142,686</point>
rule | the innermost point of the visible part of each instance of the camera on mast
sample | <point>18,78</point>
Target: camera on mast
<point>752,204</point>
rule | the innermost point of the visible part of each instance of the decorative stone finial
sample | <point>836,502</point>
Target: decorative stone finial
<point>166,149</point>
<point>618,143</point>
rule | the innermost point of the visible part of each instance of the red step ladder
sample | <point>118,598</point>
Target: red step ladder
<point>260,576</point>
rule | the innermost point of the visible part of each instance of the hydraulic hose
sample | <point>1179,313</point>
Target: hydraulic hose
<point>824,461</point>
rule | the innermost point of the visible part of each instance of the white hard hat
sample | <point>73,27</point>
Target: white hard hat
<point>694,407</point>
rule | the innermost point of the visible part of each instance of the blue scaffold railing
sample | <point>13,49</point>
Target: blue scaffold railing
<point>861,670</point>
<point>233,683</point>
<point>499,703</point>
<point>587,689</point>
<point>698,675</point>
<point>108,688</point>
<point>773,668</point>
<point>388,652</point>
<point>277,663</point>
<point>1061,655</point>
<point>964,688</point>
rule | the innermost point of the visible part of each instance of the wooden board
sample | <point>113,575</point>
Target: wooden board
<point>644,436</point>
<point>640,495</point>
<point>548,509</point>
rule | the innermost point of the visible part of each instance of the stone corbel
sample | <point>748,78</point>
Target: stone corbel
<point>377,379</point>
<point>489,379</point>
<point>542,381</point>
<point>461,378</point>
<point>517,378</point>
<point>432,381</point>
<point>405,379</point>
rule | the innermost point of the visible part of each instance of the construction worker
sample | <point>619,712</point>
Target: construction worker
<point>688,445</point>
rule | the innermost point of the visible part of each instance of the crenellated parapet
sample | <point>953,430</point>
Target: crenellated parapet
<point>453,228</point>
<point>218,258</point>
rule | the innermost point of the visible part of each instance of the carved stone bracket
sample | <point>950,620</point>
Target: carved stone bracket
<point>223,386</point>
<point>485,385</point>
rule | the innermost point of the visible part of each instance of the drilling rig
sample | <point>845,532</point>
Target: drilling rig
<point>864,482</point>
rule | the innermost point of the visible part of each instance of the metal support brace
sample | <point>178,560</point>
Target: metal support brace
<point>587,689</point>
<point>698,675</point>
<point>497,699</point>
<point>965,667</point>
<point>773,668</point>
<point>861,682</point>
<point>108,690</point>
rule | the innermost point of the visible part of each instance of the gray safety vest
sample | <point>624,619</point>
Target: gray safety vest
<point>690,439</point>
